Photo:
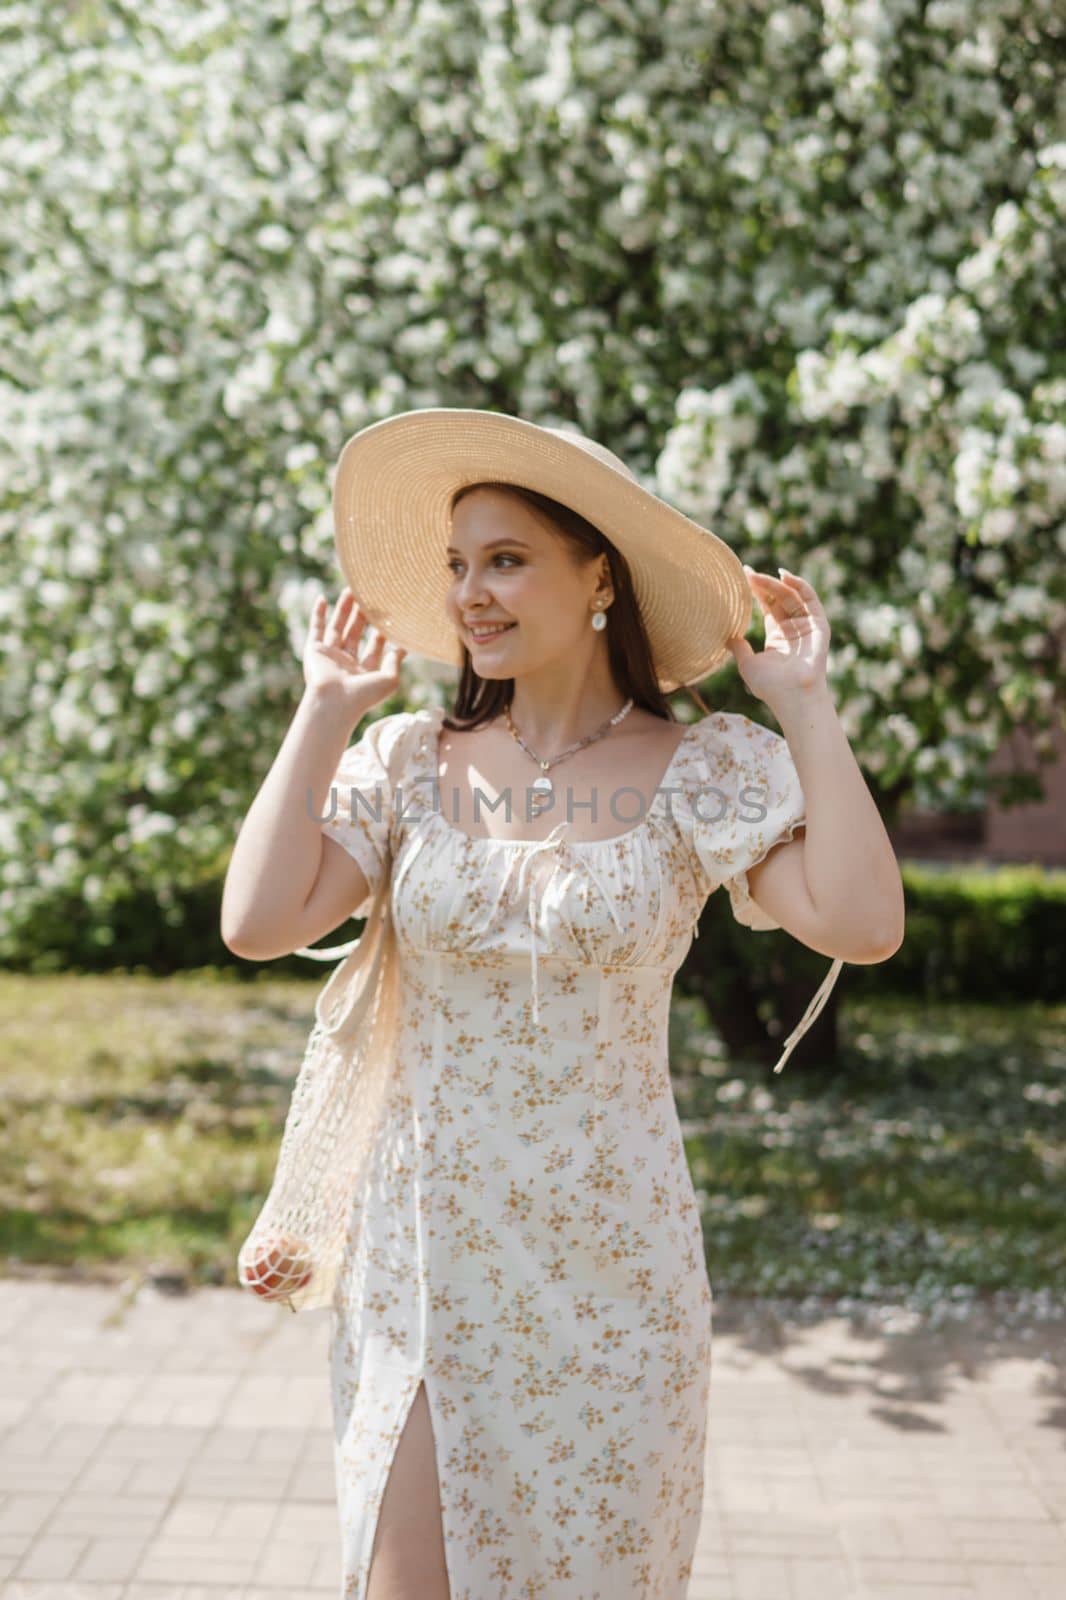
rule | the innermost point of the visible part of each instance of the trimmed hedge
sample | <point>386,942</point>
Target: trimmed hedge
<point>973,932</point>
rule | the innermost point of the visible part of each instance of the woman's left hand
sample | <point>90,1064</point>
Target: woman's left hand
<point>796,645</point>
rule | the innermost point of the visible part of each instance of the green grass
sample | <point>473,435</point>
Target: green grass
<point>139,1118</point>
<point>139,1123</point>
<point>928,1164</point>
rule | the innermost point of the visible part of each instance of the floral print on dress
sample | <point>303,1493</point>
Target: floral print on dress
<point>747,799</point>
<point>527,1242</point>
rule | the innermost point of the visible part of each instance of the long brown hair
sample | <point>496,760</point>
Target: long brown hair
<point>478,699</point>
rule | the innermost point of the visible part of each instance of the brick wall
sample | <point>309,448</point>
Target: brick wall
<point>1034,831</point>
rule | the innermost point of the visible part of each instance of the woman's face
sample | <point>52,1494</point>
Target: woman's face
<point>508,565</point>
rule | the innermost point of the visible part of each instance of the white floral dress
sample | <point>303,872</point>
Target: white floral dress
<point>529,1242</point>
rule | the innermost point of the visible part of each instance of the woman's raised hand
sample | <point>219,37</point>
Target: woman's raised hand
<point>334,660</point>
<point>796,637</point>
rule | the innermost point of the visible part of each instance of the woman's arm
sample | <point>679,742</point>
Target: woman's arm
<point>276,858</point>
<point>837,886</point>
<point>267,906</point>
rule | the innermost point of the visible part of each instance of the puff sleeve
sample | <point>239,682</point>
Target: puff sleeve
<point>359,804</point>
<point>747,798</point>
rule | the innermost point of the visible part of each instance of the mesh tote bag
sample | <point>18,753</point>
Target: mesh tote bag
<point>295,1248</point>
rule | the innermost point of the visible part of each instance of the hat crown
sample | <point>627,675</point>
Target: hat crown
<point>600,451</point>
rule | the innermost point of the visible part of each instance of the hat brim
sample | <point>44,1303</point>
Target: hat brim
<point>392,498</point>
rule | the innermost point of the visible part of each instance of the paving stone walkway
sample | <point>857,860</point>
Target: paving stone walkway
<point>179,1447</point>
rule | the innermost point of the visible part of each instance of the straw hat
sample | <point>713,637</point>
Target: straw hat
<point>392,499</point>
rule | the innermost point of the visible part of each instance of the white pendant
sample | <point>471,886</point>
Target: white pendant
<point>542,795</point>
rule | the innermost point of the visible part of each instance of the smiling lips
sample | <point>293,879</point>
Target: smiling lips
<point>482,636</point>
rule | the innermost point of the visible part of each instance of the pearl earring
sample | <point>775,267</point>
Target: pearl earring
<point>599,621</point>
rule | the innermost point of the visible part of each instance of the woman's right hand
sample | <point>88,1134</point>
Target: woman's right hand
<point>331,655</point>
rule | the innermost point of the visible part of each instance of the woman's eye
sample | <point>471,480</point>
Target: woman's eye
<point>453,563</point>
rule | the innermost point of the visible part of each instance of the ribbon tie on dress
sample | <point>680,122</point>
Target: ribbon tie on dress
<point>818,1000</point>
<point>553,840</point>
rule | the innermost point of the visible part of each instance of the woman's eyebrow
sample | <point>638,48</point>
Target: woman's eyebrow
<point>452,551</point>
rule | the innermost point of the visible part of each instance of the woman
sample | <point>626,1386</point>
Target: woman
<point>522,1329</point>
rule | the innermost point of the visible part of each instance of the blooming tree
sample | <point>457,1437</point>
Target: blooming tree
<point>800,265</point>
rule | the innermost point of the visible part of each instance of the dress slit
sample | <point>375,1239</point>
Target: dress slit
<point>407,1405</point>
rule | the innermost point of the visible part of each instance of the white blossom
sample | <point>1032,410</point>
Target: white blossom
<point>816,314</point>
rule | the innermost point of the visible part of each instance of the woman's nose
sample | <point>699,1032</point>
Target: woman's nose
<point>470,590</point>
